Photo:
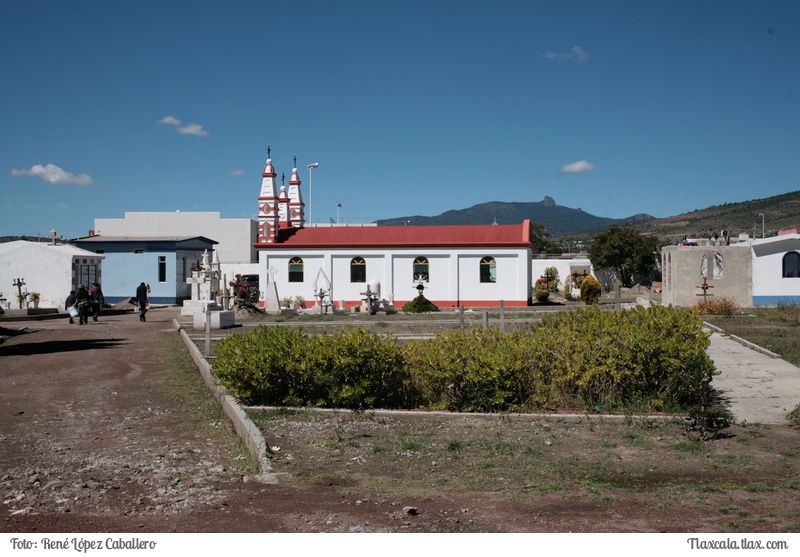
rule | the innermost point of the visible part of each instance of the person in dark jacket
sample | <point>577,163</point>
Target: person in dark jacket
<point>82,302</point>
<point>141,297</point>
<point>68,303</point>
<point>96,294</point>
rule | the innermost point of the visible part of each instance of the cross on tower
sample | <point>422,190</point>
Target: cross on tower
<point>295,162</point>
<point>269,152</point>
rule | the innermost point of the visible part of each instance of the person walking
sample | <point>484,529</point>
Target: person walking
<point>82,302</point>
<point>141,297</point>
<point>98,300</point>
<point>69,303</point>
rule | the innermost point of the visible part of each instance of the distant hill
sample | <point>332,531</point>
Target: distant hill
<point>781,212</point>
<point>557,220</point>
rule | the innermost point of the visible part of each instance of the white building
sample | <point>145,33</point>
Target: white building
<point>457,265</point>
<point>51,270</point>
<point>776,269</point>
<point>235,237</point>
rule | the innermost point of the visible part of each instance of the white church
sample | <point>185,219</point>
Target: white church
<point>473,266</point>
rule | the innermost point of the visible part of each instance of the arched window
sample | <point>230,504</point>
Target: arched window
<point>295,269</point>
<point>791,265</point>
<point>421,270</point>
<point>719,270</point>
<point>358,270</point>
<point>488,270</point>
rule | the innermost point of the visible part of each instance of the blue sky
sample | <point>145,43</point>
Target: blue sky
<point>412,107</point>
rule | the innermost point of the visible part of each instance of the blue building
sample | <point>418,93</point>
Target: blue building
<point>162,262</point>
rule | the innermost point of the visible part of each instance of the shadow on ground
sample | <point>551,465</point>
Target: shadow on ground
<point>50,347</point>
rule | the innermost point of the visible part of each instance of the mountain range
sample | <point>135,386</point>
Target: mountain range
<point>558,220</point>
<point>780,212</point>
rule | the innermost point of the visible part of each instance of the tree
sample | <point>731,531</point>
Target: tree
<point>541,240</point>
<point>631,255</point>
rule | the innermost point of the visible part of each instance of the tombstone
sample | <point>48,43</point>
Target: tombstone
<point>205,281</point>
<point>322,291</point>
<point>272,303</point>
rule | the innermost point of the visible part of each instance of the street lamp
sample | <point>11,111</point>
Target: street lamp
<point>310,167</point>
<point>762,225</point>
<point>339,206</point>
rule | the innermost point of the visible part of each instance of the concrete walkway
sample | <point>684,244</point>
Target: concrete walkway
<point>755,387</point>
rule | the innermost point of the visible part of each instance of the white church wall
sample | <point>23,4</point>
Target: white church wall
<point>454,273</point>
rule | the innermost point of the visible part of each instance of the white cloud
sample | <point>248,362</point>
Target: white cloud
<point>193,129</point>
<point>170,120</point>
<point>237,172</point>
<point>188,129</point>
<point>576,168</point>
<point>55,175</point>
<point>576,54</point>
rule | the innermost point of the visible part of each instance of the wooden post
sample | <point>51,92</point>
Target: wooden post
<point>461,316</point>
<point>485,320</point>
<point>502,316</point>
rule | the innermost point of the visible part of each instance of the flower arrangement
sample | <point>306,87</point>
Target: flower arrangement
<point>35,296</point>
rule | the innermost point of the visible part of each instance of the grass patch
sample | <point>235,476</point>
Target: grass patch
<point>193,408</point>
<point>776,329</point>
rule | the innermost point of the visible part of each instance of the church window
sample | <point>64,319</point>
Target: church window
<point>162,268</point>
<point>488,270</point>
<point>295,269</point>
<point>358,270</point>
<point>421,269</point>
<point>719,270</point>
<point>791,265</point>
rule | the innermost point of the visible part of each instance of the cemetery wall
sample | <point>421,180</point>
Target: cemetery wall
<point>682,274</point>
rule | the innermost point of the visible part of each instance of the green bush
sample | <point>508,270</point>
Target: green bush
<point>420,304</point>
<point>358,369</point>
<point>653,355</point>
<point>281,366</point>
<point>541,291</point>
<point>590,290</point>
<point>480,370</point>
<point>266,366</point>
<point>643,359</point>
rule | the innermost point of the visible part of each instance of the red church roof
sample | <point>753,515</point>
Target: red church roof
<point>494,235</point>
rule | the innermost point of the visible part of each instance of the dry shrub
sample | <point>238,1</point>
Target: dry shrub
<point>716,305</point>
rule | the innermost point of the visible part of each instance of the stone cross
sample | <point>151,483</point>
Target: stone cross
<point>617,300</point>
